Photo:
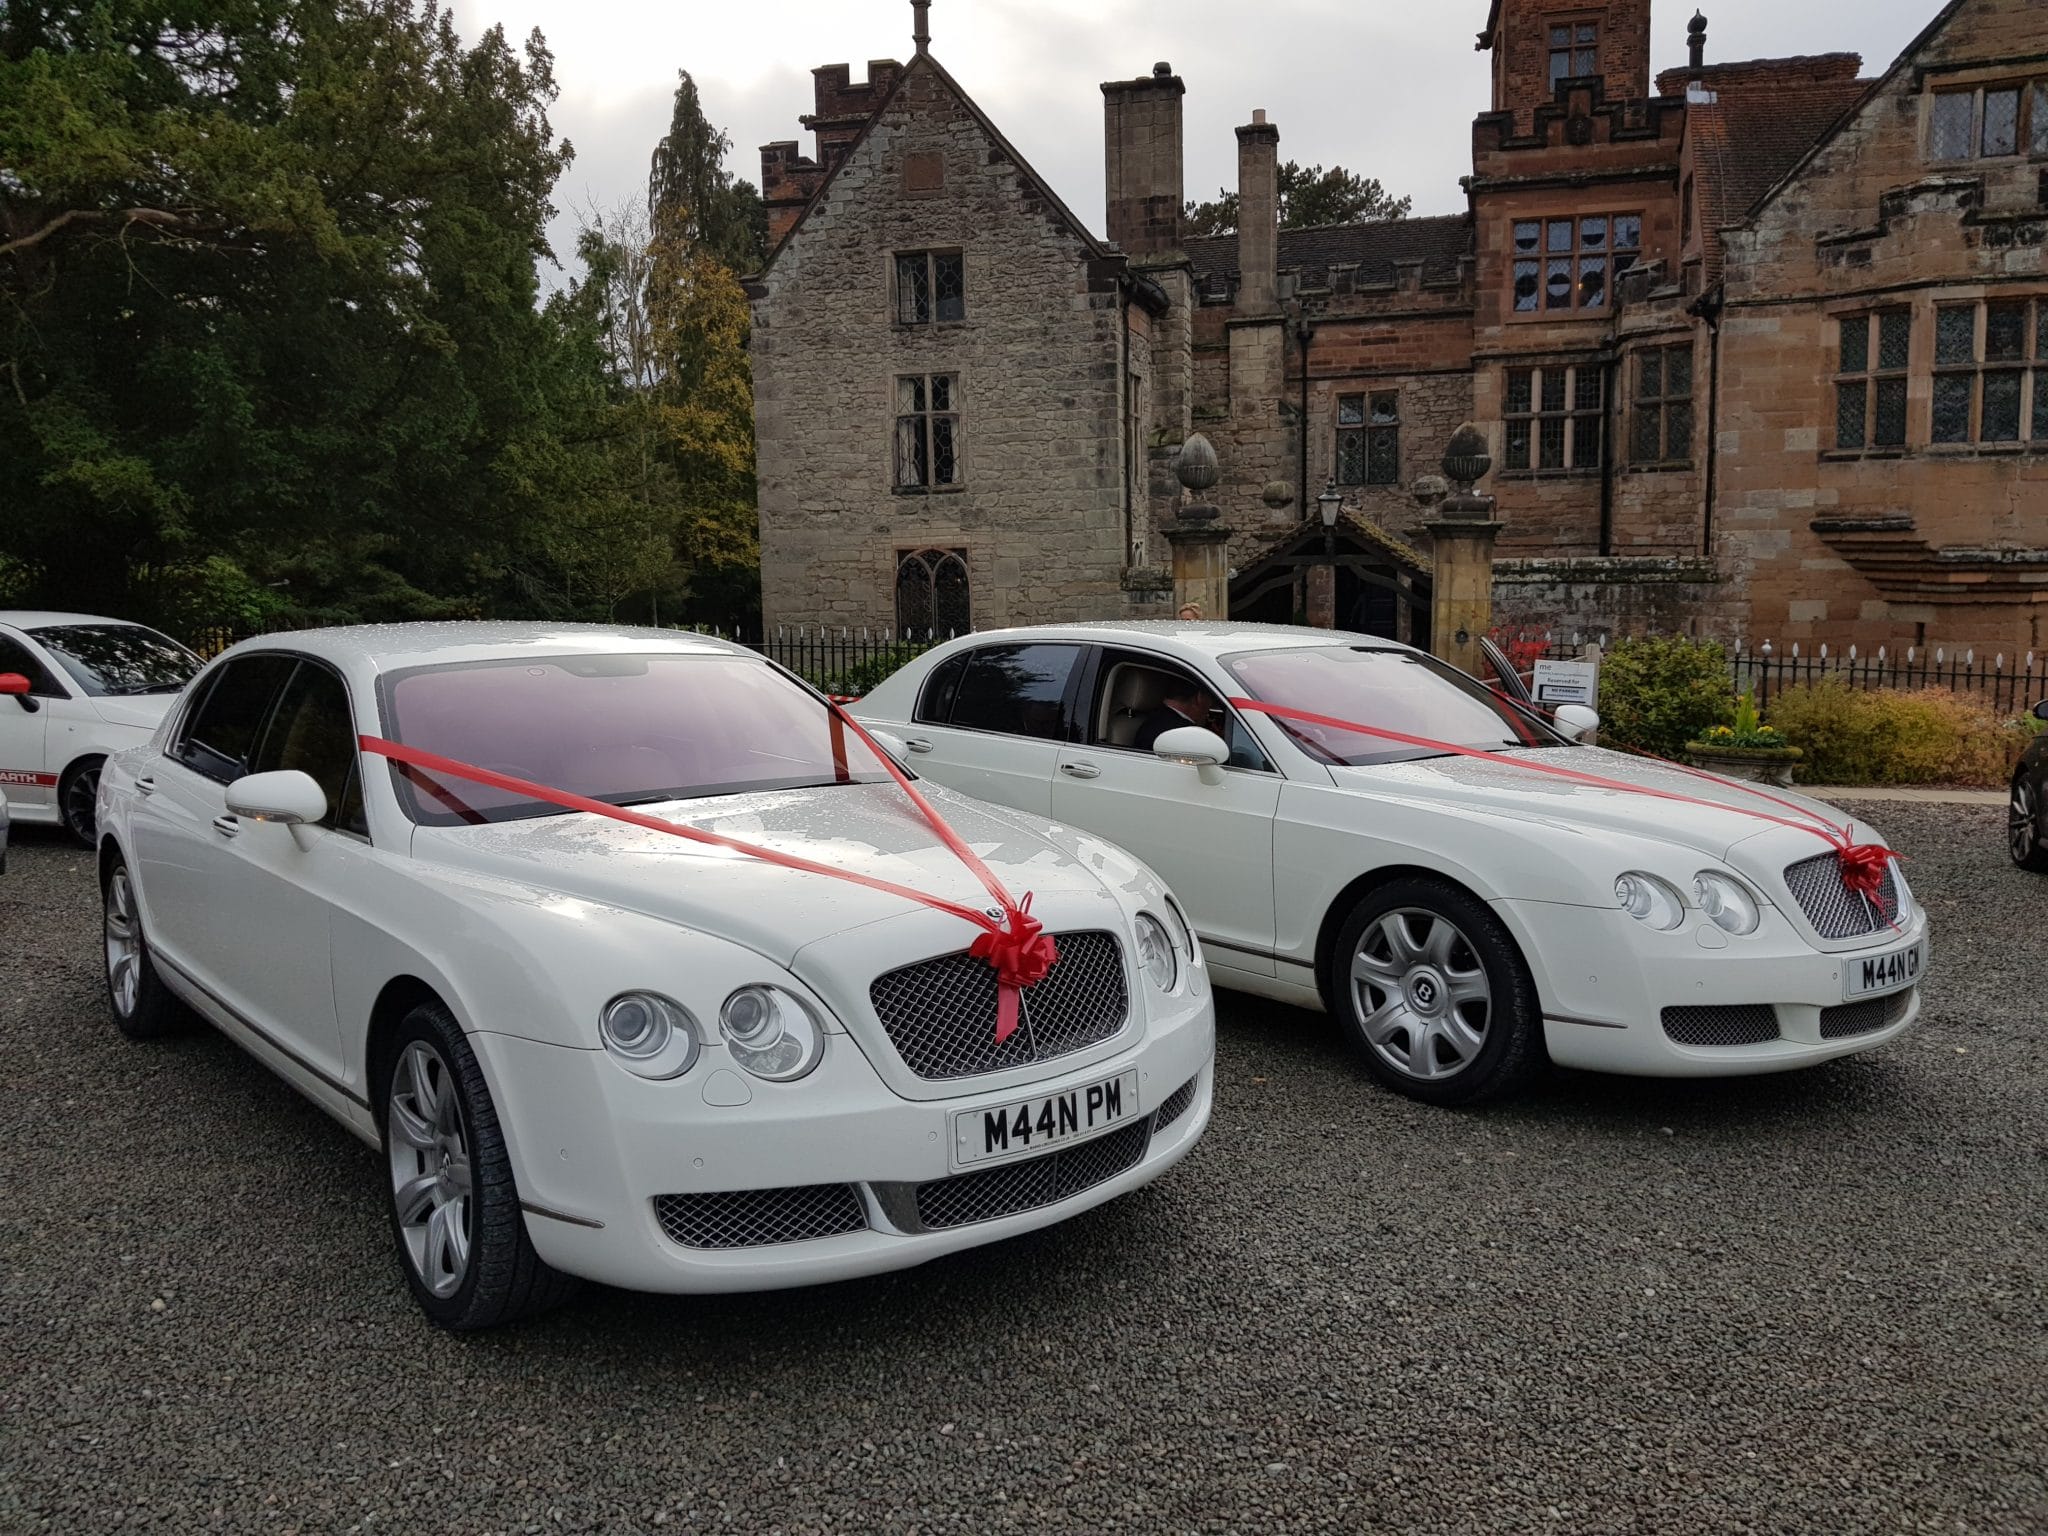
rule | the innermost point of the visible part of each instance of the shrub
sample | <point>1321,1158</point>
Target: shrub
<point>1656,695</point>
<point>864,677</point>
<point>1887,736</point>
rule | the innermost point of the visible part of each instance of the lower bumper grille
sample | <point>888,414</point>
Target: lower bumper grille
<point>1176,1105</point>
<point>1737,1024</point>
<point>1016,1187</point>
<point>759,1218</point>
<point>1866,1017</point>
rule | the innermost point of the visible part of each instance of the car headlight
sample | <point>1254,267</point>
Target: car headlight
<point>1727,904</point>
<point>771,1033</point>
<point>1155,953</point>
<point>649,1035</point>
<point>1649,900</point>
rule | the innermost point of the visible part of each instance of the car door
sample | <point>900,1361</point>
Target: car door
<point>991,722</point>
<point>1208,832</point>
<point>27,777</point>
<point>184,857</point>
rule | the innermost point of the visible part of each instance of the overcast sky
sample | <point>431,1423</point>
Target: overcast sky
<point>1386,87</point>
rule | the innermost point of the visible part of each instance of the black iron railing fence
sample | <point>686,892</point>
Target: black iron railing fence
<point>853,661</point>
<point>843,661</point>
<point>2006,683</point>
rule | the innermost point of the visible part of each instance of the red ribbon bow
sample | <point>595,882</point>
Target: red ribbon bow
<point>1022,954</point>
<point>1863,868</point>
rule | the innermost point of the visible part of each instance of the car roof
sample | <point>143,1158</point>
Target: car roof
<point>36,618</point>
<point>391,647</point>
<point>1212,638</point>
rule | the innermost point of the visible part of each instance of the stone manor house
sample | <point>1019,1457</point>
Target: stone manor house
<point>1760,348</point>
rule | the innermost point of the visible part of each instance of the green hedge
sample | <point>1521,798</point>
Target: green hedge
<point>1656,695</point>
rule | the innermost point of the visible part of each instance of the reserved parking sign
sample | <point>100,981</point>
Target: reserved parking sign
<point>1567,682</point>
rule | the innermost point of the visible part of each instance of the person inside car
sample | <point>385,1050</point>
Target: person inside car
<point>1186,703</point>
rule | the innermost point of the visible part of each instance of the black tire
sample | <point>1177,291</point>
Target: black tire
<point>505,1281</point>
<point>77,793</point>
<point>149,1010</point>
<point>1510,1052</point>
<point>2027,821</point>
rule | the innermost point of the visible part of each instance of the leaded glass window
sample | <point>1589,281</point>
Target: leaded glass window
<point>927,432</point>
<point>932,593</point>
<point>930,285</point>
<point>1870,402</point>
<point>1554,417</point>
<point>1662,430</point>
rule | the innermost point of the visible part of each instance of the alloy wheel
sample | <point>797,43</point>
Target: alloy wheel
<point>81,805</point>
<point>431,1180</point>
<point>2024,821</point>
<point>124,945</point>
<point>1421,992</point>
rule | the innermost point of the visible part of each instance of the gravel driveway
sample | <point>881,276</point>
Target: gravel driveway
<point>1810,1303</point>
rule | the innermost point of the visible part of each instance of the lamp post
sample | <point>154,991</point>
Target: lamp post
<point>1322,592</point>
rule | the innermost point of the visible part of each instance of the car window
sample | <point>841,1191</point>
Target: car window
<point>1387,690</point>
<point>627,729</point>
<point>221,733</point>
<point>935,702</point>
<point>16,657</point>
<point>1018,690</point>
<point>312,730</point>
<point>114,659</point>
<point>1131,709</point>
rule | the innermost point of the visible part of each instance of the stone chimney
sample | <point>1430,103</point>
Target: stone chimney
<point>1141,122</point>
<point>1258,215</point>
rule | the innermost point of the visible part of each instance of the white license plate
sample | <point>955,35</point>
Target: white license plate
<point>1893,971</point>
<point>1034,1125</point>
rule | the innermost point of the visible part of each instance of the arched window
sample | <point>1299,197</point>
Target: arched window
<point>931,592</point>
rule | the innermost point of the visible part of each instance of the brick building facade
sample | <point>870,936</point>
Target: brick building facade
<point>1755,344</point>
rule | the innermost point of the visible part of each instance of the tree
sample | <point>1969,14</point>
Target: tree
<point>267,301</point>
<point>1309,196</point>
<point>692,198</point>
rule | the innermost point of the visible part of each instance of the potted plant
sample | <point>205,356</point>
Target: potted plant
<point>1747,749</point>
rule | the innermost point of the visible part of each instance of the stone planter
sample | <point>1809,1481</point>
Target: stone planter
<point>1760,765</point>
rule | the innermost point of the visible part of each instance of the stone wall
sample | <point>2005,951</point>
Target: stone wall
<point>1521,66</point>
<point>1039,359</point>
<point>1873,223</point>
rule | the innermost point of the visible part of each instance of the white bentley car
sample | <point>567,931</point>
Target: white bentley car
<point>638,963</point>
<point>73,689</point>
<point>1464,887</point>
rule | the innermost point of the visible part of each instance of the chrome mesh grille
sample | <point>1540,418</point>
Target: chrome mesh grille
<point>1866,1017</point>
<point>1176,1104</point>
<point>970,1197</point>
<point>941,1014</point>
<point>759,1218</point>
<point>1835,911</point>
<point>1736,1024</point>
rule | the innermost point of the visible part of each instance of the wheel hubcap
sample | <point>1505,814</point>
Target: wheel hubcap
<point>430,1169</point>
<point>1421,994</point>
<point>81,807</point>
<point>2025,823</point>
<point>124,945</point>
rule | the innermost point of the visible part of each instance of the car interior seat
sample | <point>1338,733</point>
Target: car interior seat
<point>1133,693</point>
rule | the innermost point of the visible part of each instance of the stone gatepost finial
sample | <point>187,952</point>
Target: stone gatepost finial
<point>1201,544</point>
<point>921,24</point>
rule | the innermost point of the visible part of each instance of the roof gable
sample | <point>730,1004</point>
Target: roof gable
<point>924,64</point>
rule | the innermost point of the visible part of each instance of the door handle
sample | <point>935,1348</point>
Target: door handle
<point>227,826</point>
<point>920,747</point>
<point>145,785</point>
<point>1081,770</point>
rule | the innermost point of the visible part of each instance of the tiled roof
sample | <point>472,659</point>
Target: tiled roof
<point>1749,137</point>
<point>1438,243</point>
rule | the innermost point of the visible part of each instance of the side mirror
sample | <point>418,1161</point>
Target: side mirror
<point>289,797</point>
<point>1575,722</point>
<point>13,683</point>
<point>2040,709</point>
<point>1193,745</point>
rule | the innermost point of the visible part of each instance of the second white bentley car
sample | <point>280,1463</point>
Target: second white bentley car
<point>636,962</point>
<point>1465,887</point>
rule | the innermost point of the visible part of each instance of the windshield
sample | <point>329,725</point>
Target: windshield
<point>631,730</point>
<point>1402,691</point>
<point>114,659</point>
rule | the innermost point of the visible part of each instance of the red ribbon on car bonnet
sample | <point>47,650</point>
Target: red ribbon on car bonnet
<point>1863,864</point>
<point>1011,941</point>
